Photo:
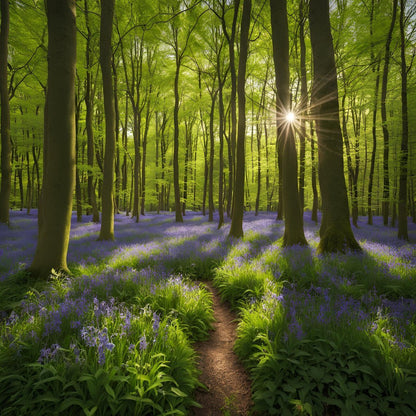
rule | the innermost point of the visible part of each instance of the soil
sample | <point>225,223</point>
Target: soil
<point>228,390</point>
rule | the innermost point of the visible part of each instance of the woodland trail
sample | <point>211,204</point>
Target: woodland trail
<point>229,387</point>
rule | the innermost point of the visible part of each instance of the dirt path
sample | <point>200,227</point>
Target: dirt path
<point>229,391</point>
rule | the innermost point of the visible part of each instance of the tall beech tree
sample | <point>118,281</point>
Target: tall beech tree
<point>291,204</point>
<point>179,46</point>
<point>404,151</point>
<point>233,96</point>
<point>236,229</point>
<point>375,69</point>
<point>55,206</point>
<point>6,152</point>
<point>106,30</point>
<point>303,101</point>
<point>89,105</point>
<point>386,135</point>
<point>335,231</point>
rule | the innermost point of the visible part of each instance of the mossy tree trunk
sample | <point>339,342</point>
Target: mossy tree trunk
<point>106,30</point>
<point>290,196</point>
<point>59,155</point>
<point>335,232</point>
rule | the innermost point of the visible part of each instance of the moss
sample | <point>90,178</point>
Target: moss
<point>338,238</point>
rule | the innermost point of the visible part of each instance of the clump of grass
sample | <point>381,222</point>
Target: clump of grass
<point>239,282</point>
<point>190,303</point>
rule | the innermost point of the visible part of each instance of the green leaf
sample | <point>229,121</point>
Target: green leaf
<point>109,390</point>
<point>178,392</point>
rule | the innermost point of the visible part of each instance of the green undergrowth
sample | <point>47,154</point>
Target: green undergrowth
<point>112,343</point>
<point>323,334</point>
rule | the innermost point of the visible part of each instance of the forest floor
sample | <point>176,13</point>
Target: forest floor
<point>228,385</point>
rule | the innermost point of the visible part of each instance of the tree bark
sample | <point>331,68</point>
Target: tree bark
<point>144,152</point>
<point>315,201</point>
<point>374,151</point>
<point>6,170</point>
<point>335,231</point>
<point>211,158</point>
<point>303,102</point>
<point>106,30</point>
<point>236,229</point>
<point>176,188</point>
<point>88,122</point>
<point>293,233</point>
<point>233,100</point>
<point>386,138</point>
<point>59,166</point>
<point>404,150</point>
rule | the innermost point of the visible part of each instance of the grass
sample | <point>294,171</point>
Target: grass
<point>320,334</point>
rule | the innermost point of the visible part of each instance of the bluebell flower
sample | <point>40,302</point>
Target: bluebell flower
<point>143,343</point>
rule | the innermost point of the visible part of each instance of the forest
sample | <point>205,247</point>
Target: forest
<point>208,207</point>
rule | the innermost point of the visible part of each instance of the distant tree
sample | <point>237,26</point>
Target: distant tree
<point>236,229</point>
<point>375,68</point>
<point>5,116</point>
<point>233,95</point>
<point>88,119</point>
<point>59,147</point>
<point>291,204</point>
<point>335,231</point>
<point>404,150</point>
<point>106,30</point>
<point>179,39</point>
<point>303,102</point>
<point>386,136</point>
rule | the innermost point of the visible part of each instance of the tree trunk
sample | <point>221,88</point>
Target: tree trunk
<point>335,231</point>
<point>315,201</point>
<point>404,151</point>
<point>293,233</point>
<point>176,188</point>
<point>221,155</point>
<point>29,186</point>
<point>374,151</point>
<point>236,229</point>
<point>6,170</point>
<point>304,103</point>
<point>386,144</point>
<point>88,122</point>
<point>59,166</point>
<point>351,172</point>
<point>259,133</point>
<point>211,158</point>
<point>144,153</point>
<point>188,156</point>
<point>233,101</point>
<point>106,29</point>
<point>266,143</point>
<point>78,194</point>
<point>117,138</point>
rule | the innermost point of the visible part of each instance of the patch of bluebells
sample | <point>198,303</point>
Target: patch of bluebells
<point>157,240</point>
<point>307,310</point>
<point>94,337</point>
<point>49,354</point>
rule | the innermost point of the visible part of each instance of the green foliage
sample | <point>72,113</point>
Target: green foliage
<point>324,376</point>
<point>130,354</point>
<point>158,379</point>
<point>239,283</point>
